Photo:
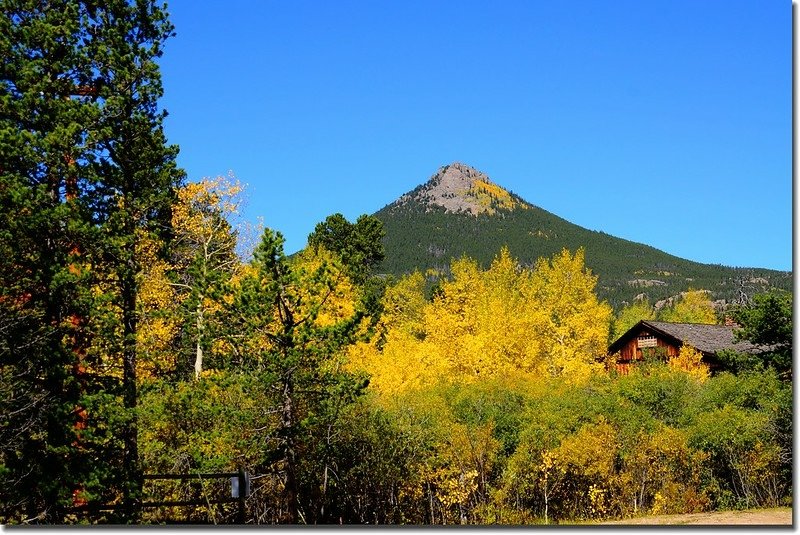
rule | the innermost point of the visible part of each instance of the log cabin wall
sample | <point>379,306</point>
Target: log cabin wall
<point>633,349</point>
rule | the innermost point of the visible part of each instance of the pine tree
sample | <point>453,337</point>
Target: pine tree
<point>85,172</point>
<point>293,319</point>
<point>359,244</point>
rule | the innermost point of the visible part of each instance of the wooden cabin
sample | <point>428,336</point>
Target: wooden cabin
<point>664,340</point>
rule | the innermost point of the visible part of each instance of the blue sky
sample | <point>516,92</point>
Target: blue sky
<point>665,123</point>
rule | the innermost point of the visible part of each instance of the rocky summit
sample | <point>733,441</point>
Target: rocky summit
<point>459,188</point>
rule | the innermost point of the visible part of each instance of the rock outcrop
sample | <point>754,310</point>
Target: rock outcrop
<point>459,188</point>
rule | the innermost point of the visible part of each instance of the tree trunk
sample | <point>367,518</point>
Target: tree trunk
<point>289,454</point>
<point>132,483</point>
<point>198,360</point>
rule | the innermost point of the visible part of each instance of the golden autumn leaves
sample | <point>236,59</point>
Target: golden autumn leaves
<point>503,321</point>
<point>188,287</point>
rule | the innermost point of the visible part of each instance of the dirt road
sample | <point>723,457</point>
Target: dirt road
<point>781,516</point>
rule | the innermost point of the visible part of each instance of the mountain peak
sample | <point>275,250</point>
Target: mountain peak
<point>460,188</point>
<point>457,176</point>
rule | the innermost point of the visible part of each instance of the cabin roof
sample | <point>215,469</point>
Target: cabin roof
<point>709,339</point>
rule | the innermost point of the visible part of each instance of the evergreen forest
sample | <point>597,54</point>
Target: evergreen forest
<point>427,237</point>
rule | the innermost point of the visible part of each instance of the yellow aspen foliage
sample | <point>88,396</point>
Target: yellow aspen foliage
<point>464,458</point>
<point>504,311</point>
<point>690,360</point>
<point>331,303</point>
<point>158,318</point>
<point>585,461</point>
<point>403,363</point>
<point>571,327</point>
<point>694,306</point>
<point>204,255</point>
<point>591,452</point>
<point>491,196</point>
<point>506,321</point>
<point>403,305</point>
<point>662,462</point>
<point>401,331</point>
<point>196,216</point>
<point>630,315</point>
<point>452,330</point>
<point>551,476</point>
<point>183,296</point>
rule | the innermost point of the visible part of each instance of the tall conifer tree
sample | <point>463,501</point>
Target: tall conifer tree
<point>85,171</point>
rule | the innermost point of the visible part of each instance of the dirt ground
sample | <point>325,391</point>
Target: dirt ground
<point>781,516</point>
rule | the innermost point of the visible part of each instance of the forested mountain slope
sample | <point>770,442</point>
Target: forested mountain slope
<point>460,211</point>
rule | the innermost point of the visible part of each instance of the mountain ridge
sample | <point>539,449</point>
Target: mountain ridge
<point>461,211</point>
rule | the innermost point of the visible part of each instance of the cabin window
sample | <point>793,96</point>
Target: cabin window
<point>646,341</point>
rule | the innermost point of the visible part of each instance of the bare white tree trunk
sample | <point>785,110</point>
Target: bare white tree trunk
<point>198,360</point>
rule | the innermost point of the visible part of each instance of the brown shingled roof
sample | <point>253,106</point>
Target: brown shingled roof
<point>709,339</point>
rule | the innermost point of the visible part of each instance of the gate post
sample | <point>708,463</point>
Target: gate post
<point>244,492</point>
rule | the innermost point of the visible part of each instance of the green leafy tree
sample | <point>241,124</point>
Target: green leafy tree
<point>742,455</point>
<point>763,394</point>
<point>766,321</point>
<point>211,425</point>
<point>360,247</point>
<point>375,457</point>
